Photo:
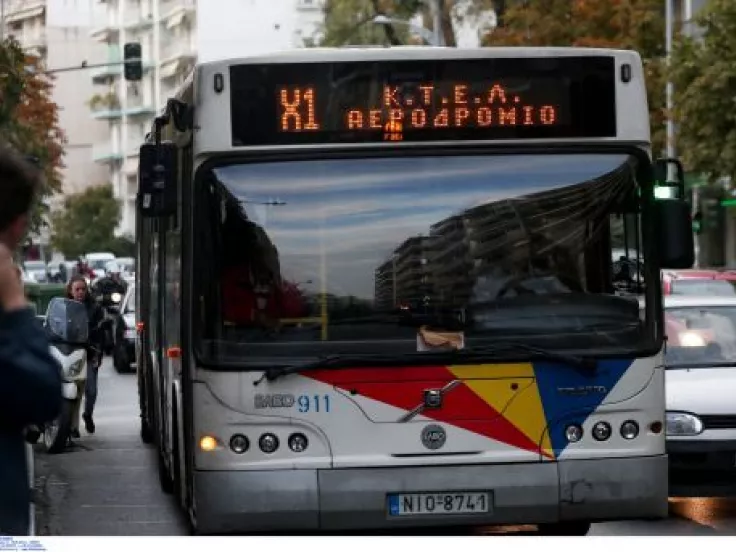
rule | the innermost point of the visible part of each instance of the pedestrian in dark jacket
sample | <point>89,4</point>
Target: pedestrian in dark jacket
<point>77,289</point>
<point>30,392</point>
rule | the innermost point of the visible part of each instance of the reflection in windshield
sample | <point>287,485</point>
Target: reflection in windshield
<point>702,287</point>
<point>359,253</point>
<point>700,336</point>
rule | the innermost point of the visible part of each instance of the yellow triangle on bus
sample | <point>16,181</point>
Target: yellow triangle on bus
<point>511,390</point>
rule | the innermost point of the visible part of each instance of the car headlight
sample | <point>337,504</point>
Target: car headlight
<point>116,297</point>
<point>76,368</point>
<point>682,424</point>
<point>691,339</point>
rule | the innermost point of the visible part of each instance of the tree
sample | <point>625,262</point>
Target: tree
<point>703,72</point>
<point>87,222</point>
<point>628,24</point>
<point>29,118</point>
<point>347,21</point>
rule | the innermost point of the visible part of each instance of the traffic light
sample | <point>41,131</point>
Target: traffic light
<point>133,69</point>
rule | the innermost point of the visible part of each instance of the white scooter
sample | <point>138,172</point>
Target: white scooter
<point>67,328</point>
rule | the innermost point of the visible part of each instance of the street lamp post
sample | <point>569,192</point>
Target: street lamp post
<point>435,6</point>
<point>669,9</point>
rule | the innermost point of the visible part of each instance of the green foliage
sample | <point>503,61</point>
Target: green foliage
<point>87,223</point>
<point>628,24</point>
<point>704,76</point>
<point>347,21</point>
<point>29,119</point>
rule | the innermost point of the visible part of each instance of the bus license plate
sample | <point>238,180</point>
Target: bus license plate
<point>422,504</point>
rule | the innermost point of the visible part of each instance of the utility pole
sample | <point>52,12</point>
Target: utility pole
<point>2,20</point>
<point>669,9</point>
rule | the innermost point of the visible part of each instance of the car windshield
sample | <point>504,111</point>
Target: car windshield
<point>35,265</point>
<point>700,337</point>
<point>353,256</point>
<point>697,286</point>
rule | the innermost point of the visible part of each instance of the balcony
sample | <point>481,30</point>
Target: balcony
<point>177,49</point>
<point>138,22</point>
<point>105,106</point>
<point>31,40</point>
<point>106,153</point>
<point>20,10</point>
<point>139,107</point>
<point>175,12</point>
<point>107,30</point>
<point>107,75</point>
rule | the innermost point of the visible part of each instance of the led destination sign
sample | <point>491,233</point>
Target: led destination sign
<point>365,102</point>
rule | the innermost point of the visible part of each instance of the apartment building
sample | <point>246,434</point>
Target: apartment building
<point>58,32</point>
<point>174,34</point>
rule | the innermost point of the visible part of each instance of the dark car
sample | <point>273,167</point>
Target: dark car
<point>124,333</point>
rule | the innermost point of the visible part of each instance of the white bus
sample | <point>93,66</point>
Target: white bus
<point>375,291</point>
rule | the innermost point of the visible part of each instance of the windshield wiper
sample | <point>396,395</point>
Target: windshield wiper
<point>587,364</point>
<point>337,361</point>
<point>580,362</point>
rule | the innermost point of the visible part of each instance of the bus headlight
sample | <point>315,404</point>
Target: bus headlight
<point>681,424</point>
<point>298,442</point>
<point>573,433</point>
<point>629,430</point>
<point>601,431</point>
<point>268,443</point>
<point>239,444</point>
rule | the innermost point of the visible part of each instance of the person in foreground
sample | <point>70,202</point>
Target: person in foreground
<point>30,392</point>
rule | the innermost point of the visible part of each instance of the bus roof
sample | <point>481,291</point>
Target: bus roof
<point>214,119</point>
<point>397,53</point>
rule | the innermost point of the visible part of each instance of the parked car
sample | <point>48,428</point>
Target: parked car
<point>36,271</point>
<point>699,282</point>
<point>124,333</point>
<point>97,261</point>
<point>700,361</point>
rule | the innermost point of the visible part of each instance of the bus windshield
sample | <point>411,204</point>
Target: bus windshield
<point>355,256</point>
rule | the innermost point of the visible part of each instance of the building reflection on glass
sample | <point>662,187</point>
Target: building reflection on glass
<point>464,258</point>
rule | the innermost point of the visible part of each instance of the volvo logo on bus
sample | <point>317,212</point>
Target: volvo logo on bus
<point>433,437</point>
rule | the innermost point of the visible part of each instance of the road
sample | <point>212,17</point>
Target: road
<point>108,484</point>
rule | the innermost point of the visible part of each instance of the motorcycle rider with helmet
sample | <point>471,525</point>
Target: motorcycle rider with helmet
<point>109,291</point>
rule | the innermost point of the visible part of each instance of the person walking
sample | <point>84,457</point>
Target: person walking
<point>77,289</point>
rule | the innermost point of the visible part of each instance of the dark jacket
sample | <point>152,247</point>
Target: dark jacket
<point>30,393</point>
<point>95,315</point>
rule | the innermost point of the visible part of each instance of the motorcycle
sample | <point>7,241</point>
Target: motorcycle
<point>111,305</point>
<point>67,328</point>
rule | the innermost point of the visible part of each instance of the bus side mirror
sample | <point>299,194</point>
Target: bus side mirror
<point>675,242</point>
<point>157,180</point>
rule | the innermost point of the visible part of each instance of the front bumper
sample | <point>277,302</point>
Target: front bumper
<point>702,466</point>
<point>356,499</point>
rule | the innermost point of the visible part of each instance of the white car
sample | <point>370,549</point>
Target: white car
<point>700,359</point>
